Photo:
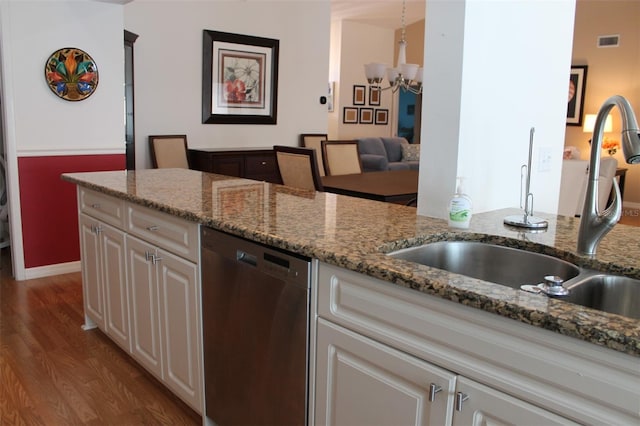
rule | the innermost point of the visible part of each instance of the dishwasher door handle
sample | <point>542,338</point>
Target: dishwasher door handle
<point>249,259</point>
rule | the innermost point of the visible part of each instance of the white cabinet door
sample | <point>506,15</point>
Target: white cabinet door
<point>93,294</point>
<point>114,279</point>
<point>145,316</point>
<point>362,382</point>
<point>486,406</point>
<point>179,310</point>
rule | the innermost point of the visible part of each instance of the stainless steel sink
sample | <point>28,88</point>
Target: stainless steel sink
<point>608,293</point>
<point>497,264</point>
<point>514,268</point>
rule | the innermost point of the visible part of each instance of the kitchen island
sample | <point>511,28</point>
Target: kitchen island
<point>354,235</point>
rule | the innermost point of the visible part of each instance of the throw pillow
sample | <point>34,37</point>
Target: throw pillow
<point>410,152</point>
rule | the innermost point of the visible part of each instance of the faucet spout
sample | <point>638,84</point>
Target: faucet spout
<point>594,225</point>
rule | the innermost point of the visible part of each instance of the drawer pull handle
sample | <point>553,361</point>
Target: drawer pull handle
<point>155,259</point>
<point>96,229</point>
<point>148,255</point>
<point>460,398</point>
<point>433,390</point>
<point>153,228</point>
<point>95,206</point>
<point>264,163</point>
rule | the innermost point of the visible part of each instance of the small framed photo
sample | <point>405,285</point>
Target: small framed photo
<point>577,86</point>
<point>366,115</point>
<point>374,96</point>
<point>382,116</point>
<point>350,115</point>
<point>359,94</point>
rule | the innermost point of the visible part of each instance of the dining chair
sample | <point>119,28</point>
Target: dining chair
<point>314,140</point>
<point>298,167</point>
<point>169,151</point>
<point>341,157</point>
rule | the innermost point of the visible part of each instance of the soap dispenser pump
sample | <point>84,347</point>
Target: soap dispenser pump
<point>460,207</point>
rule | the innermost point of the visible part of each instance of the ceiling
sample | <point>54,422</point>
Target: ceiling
<point>382,13</point>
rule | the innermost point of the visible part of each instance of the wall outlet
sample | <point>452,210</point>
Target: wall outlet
<point>544,159</point>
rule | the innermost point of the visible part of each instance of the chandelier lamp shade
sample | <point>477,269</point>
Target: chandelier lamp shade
<point>407,77</point>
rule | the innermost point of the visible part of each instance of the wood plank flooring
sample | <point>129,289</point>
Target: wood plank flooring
<point>54,373</point>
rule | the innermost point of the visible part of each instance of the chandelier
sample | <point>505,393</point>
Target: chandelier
<point>407,77</point>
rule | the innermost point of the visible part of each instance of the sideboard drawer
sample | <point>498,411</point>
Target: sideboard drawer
<point>250,163</point>
<point>171,233</point>
<point>260,165</point>
<point>108,209</point>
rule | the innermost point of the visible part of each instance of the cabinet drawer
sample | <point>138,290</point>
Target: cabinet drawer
<point>260,164</point>
<point>107,208</point>
<point>168,232</point>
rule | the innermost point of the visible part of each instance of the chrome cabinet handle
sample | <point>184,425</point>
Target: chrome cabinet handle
<point>153,228</point>
<point>264,163</point>
<point>96,229</point>
<point>147,255</point>
<point>433,390</point>
<point>95,206</point>
<point>460,398</point>
<point>155,259</point>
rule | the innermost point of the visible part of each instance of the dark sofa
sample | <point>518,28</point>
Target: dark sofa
<point>387,153</point>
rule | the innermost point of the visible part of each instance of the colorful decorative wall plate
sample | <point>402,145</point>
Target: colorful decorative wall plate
<point>71,74</point>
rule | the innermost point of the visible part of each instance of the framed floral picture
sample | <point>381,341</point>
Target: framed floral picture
<point>577,88</point>
<point>239,79</point>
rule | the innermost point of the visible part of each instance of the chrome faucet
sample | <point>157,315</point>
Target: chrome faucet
<point>593,224</point>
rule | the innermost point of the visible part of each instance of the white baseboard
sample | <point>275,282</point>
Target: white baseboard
<point>49,270</point>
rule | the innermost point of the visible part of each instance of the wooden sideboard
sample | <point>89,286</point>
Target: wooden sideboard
<point>250,163</point>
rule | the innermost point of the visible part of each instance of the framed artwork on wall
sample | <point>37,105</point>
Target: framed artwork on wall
<point>359,93</point>
<point>374,96</point>
<point>577,87</point>
<point>350,115</point>
<point>366,115</point>
<point>239,79</point>
<point>382,116</point>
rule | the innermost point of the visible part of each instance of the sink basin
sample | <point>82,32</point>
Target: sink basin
<point>608,293</point>
<point>497,264</point>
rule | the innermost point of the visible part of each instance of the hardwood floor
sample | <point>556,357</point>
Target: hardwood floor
<point>630,217</point>
<point>54,373</point>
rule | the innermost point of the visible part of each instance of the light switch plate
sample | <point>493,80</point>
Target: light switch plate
<point>544,159</point>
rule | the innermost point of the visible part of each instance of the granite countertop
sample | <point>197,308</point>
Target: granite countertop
<point>356,233</point>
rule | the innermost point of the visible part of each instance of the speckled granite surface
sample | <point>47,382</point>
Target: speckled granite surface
<point>356,234</point>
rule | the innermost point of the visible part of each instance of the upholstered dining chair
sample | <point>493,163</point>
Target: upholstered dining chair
<point>298,167</point>
<point>169,151</point>
<point>314,140</point>
<point>341,157</point>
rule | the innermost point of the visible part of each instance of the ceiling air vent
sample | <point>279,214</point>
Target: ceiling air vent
<point>609,40</point>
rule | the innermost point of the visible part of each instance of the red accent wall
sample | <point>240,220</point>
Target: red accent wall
<point>49,205</point>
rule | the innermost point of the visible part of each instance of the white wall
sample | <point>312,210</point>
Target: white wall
<point>168,69</point>
<point>44,123</point>
<point>490,75</point>
<point>361,44</point>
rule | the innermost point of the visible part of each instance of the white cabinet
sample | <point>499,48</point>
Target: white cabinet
<point>164,300</point>
<point>505,372</point>
<point>362,382</point>
<point>476,404</point>
<point>141,286</point>
<point>104,279</point>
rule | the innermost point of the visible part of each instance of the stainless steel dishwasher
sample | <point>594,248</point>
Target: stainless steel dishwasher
<point>255,321</point>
